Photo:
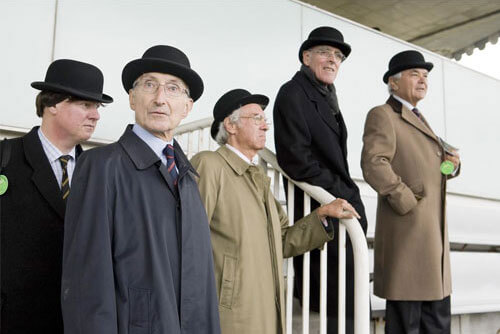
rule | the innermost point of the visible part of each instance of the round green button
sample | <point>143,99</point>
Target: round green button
<point>447,167</point>
<point>4,184</point>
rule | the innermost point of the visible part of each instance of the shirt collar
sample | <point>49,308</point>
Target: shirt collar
<point>404,102</point>
<point>255,158</point>
<point>51,151</point>
<point>155,143</point>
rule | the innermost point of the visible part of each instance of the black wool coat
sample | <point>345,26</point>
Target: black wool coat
<point>137,252</point>
<point>32,230</point>
<point>311,146</point>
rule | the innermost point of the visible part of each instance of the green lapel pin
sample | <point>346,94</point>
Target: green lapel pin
<point>4,184</point>
<point>447,167</point>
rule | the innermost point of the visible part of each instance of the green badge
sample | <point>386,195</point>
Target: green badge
<point>447,167</point>
<point>4,184</point>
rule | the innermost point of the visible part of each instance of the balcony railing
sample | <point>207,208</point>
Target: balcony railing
<point>195,137</point>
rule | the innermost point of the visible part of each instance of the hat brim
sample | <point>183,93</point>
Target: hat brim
<point>256,98</point>
<point>309,43</point>
<point>91,96</point>
<point>138,67</point>
<point>427,65</point>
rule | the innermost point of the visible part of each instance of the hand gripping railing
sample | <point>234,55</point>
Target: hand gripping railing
<point>198,138</point>
<point>360,251</point>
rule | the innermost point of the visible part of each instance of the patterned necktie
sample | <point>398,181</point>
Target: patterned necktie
<point>169,153</point>
<point>63,159</point>
<point>417,112</point>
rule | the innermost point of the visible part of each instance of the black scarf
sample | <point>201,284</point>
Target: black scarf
<point>328,91</point>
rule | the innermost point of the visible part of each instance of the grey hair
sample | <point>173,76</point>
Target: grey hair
<point>222,134</point>
<point>396,76</point>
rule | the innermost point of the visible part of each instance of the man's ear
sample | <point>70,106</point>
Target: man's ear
<point>229,126</point>
<point>131,99</point>
<point>306,57</point>
<point>393,84</point>
<point>188,106</point>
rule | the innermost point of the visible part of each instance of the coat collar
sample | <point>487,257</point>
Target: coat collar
<point>410,117</point>
<point>143,157</point>
<point>233,160</point>
<point>43,176</point>
<point>320,101</point>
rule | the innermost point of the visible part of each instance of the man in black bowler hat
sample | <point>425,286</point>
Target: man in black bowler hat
<point>39,175</point>
<point>137,253</point>
<point>402,160</point>
<point>311,136</point>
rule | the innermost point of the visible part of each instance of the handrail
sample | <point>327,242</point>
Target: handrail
<point>359,246</point>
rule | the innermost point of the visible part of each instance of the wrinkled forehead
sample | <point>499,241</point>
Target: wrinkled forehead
<point>325,48</point>
<point>162,78</point>
<point>251,109</point>
<point>421,71</point>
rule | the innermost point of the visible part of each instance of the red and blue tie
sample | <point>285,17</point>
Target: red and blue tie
<point>169,153</point>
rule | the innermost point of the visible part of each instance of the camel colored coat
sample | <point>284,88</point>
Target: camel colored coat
<point>250,238</point>
<point>401,160</point>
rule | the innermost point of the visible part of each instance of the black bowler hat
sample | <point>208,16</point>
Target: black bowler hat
<point>325,36</point>
<point>75,78</point>
<point>231,101</point>
<point>406,60</point>
<point>163,59</point>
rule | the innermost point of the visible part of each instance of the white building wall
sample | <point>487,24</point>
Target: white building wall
<point>254,45</point>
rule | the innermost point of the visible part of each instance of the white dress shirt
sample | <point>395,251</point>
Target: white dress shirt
<point>53,154</point>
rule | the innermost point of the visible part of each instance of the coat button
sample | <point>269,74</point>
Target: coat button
<point>438,153</point>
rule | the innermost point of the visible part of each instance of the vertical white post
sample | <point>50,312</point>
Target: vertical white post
<point>306,276</point>
<point>200,140</point>
<point>323,289</point>
<point>190,145</point>
<point>341,301</point>
<point>289,267</point>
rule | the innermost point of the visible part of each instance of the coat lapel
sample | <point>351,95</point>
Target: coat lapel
<point>320,102</point>
<point>143,157</point>
<point>43,176</point>
<point>410,117</point>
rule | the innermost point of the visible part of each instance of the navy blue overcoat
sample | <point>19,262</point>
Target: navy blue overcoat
<point>137,254</point>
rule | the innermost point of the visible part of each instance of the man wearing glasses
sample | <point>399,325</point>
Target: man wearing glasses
<point>137,253</point>
<point>310,136</point>
<point>250,233</point>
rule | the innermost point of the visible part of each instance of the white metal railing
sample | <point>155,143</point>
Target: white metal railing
<point>196,132</point>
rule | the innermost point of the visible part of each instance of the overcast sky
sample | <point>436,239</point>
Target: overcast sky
<point>486,60</point>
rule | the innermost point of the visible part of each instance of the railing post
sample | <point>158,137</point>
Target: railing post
<point>306,270</point>
<point>341,279</point>
<point>289,268</point>
<point>323,289</point>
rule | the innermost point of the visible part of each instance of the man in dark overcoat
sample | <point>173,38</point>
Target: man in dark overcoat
<point>38,176</point>
<point>310,136</point>
<point>408,166</point>
<point>137,252</point>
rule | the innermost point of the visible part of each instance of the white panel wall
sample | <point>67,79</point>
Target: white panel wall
<point>26,30</point>
<point>241,43</point>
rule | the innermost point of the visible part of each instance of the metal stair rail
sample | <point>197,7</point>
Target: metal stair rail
<point>195,137</point>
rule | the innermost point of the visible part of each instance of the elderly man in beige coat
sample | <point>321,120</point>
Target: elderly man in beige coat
<point>402,159</point>
<point>250,233</point>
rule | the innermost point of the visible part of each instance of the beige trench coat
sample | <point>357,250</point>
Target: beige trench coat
<point>250,238</point>
<point>401,160</point>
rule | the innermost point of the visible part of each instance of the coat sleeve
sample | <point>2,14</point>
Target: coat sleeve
<point>293,141</point>
<point>208,183</point>
<point>88,291</point>
<point>305,235</point>
<point>379,148</point>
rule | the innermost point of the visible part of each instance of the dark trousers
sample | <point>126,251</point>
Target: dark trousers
<point>418,317</point>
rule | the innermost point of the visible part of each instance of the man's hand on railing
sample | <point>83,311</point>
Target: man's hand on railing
<point>338,208</point>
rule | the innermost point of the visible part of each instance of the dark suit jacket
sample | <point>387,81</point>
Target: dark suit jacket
<point>311,146</point>
<point>31,241</point>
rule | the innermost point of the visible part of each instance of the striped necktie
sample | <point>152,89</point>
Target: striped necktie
<point>169,153</point>
<point>63,159</point>
<point>417,112</point>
